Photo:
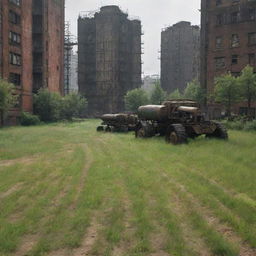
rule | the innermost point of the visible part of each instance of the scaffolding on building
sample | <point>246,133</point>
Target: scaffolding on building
<point>69,43</point>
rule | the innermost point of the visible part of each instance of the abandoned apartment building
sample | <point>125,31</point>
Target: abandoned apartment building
<point>180,56</point>
<point>31,48</point>
<point>109,58</point>
<point>228,44</point>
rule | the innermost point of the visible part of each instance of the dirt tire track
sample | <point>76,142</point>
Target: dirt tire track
<point>212,220</point>
<point>11,190</point>
<point>27,244</point>
<point>87,166</point>
<point>89,239</point>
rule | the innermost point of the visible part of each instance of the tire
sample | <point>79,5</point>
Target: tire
<point>108,129</point>
<point>176,134</point>
<point>100,129</point>
<point>220,132</point>
<point>144,130</point>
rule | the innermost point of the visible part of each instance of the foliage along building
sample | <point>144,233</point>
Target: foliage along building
<point>31,48</point>
<point>228,44</point>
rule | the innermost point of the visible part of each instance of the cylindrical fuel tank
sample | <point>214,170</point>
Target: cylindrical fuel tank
<point>153,112</point>
<point>121,118</point>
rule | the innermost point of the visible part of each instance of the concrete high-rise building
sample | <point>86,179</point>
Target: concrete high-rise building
<point>228,43</point>
<point>180,56</point>
<point>109,59</point>
<point>31,48</point>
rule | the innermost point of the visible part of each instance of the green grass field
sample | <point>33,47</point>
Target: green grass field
<point>67,190</point>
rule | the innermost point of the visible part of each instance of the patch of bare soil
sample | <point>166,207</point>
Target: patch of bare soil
<point>89,239</point>
<point>27,244</point>
<point>213,221</point>
<point>125,244</point>
<point>22,160</point>
<point>11,190</point>
<point>88,163</point>
<point>191,237</point>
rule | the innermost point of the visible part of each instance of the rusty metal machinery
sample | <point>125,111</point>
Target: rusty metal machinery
<point>177,120</point>
<point>118,122</point>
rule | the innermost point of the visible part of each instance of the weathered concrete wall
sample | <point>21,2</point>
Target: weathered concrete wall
<point>109,59</point>
<point>219,25</point>
<point>180,56</point>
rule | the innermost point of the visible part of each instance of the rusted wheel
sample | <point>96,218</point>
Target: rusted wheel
<point>144,130</point>
<point>176,134</point>
<point>220,132</point>
<point>100,129</point>
<point>108,129</point>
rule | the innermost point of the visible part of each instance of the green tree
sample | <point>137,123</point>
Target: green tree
<point>47,105</point>
<point>176,95</point>
<point>158,94</point>
<point>247,82</point>
<point>227,91</point>
<point>195,92</point>
<point>7,99</point>
<point>73,105</point>
<point>135,98</point>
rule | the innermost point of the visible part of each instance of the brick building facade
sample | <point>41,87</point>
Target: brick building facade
<point>180,56</point>
<point>16,50</point>
<point>109,59</point>
<point>31,48</point>
<point>228,43</point>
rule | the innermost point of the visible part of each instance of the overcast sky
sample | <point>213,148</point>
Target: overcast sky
<point>154,14</point>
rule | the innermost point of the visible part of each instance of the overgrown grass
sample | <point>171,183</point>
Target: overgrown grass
<point>57,180</point>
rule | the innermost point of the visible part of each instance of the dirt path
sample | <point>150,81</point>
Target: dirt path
<point>27,244</point>
<point>212,220</point>
<point>87,166</point>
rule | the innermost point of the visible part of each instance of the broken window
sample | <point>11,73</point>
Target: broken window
<point>235,40</point>
<point>252,38</point>
<point>251,59</point>
<point>218,2</point>
<point>14,17</point>
<point>16,2</point>
<point>234,60</point>
<point>219,42</point>
<point>219,62</point>
<point>235,17</point>
<point>15,79</point>
<point>219,19</point>
<point>252,14</point>
<point>15,59</point>
<point>14,38</point>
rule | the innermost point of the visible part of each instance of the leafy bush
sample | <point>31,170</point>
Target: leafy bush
<point>135,98</point>
<point>47,105</point>
<point>158,94</point>
<point>73,105</point>
<point>250,126</point>
<point>28,119</point>
<point>7,99</point>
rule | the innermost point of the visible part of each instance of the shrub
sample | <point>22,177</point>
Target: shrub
<point>47,105</point>
<point>250,126</point>
<point>135,98</point>
<point>73,105</point>
<point>28,119</point>
<point>7,99</point>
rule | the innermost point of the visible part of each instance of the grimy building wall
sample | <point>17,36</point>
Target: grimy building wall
<point>16,51</point>
<point>228,43</point>
<point>31,48</point>
<point>109,59</point>
<point>48,45</point>
<point>180,56</point>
